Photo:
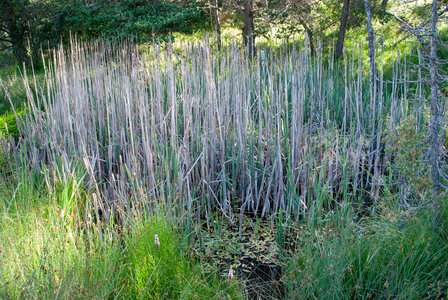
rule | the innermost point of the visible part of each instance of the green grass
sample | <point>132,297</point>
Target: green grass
<point>12,80</point>
<point>170,271</point>
<point>389,255</point>
<point>8,122</point>
<point>45,254</point>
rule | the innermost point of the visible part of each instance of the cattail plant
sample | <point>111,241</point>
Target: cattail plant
<point>195,132</point>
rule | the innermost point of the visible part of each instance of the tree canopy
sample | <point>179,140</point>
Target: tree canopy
<point>26,26</point>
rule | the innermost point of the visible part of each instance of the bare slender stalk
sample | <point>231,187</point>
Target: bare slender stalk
<point>202,134</point>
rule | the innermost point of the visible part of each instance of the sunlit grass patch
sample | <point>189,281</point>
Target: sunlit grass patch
<point>161,267</point>
<point>44,256</point>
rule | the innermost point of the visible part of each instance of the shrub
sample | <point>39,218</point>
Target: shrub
<point>406,147</point>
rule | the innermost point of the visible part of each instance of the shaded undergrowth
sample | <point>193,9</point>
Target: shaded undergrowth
<point>389,255</point>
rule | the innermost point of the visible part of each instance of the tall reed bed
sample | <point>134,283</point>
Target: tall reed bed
<point>196,131</point>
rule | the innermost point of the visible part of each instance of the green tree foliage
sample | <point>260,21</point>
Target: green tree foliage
<point>15,16</point>
<point>26,25</point>
<point>289,17</point>
<point>138,19</point>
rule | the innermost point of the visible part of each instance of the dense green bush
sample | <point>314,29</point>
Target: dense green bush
<point>406,146</point>
<point>127,19</point>
<point>29,26</point>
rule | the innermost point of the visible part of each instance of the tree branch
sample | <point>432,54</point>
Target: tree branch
<point>237,8</point>
<point>3,28</point>
<point>440,14</point>
<point>3,39</point>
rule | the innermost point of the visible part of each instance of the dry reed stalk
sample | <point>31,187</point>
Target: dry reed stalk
<point>198,132</point>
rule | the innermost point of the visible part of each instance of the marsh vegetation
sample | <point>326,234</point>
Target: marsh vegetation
<point>192,171</point>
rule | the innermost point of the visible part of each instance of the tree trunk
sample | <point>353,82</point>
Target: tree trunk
<point>217,24</point>
<point>309,32</point>
<point>248,29</point>
<point>374,157</point>
<point>342,28</point>
<point>18,47</point>
<point>371,39</point>
<point>435,113</point>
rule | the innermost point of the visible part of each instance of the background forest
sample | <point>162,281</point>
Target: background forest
<point>223,149</point>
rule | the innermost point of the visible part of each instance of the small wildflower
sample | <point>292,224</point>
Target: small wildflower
<point>230,275</point>
<point>157,241</point>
